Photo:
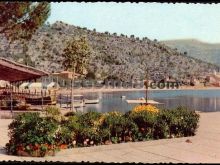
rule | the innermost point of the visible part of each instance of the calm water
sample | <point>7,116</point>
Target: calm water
<point>201,100</point>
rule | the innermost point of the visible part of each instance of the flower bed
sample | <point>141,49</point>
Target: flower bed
<point>35,135</point>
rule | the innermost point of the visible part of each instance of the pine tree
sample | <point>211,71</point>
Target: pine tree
<point>19,20</point>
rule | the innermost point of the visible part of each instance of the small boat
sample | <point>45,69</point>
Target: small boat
<point>123,97</point>
<point>77,95</point>
<point>86,101</point>
<point>40,100</point>
<point>77,104</point>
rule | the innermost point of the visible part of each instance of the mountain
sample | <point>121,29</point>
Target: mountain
<point>113,55</point>
<point>197,49</point>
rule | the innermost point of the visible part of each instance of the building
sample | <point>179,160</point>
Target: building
<point>14,72</point>
<point>67,75</point>
<point>214,78</point>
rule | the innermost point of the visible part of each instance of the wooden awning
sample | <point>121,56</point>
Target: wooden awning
<point>12,71</point>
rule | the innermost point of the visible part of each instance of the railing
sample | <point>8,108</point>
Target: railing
<point>16,100</point>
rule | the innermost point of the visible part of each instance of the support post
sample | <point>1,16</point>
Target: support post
<point>11,100</point>
<point>42,99</point>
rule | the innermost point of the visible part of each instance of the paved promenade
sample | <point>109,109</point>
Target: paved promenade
<point>202,148</point>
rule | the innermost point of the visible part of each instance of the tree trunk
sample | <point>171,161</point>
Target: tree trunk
<point>72,98</point>
<point>24,51</point>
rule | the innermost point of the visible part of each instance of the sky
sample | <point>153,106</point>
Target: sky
<point>161,21</point>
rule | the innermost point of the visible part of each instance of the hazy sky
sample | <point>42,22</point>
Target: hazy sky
<point>152,20</point>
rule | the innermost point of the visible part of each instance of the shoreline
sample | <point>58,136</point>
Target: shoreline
<point>109,90</point>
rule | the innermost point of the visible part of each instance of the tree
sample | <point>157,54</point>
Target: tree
<point>76,57</point>
<point>185,53</point>
<point>90,75</point>
<point>19,20</point>
<point>132,36</point>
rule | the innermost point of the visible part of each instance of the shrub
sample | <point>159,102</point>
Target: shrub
<point>37,135</point>
<point>68,114</point>
<point>87,128</point>
<point>91,75</point>
<point>53,112</point>
<point>161,127</point>
<point>145,121</point>
<point>90,127</point>
<point>181,121</point>
<point>31,133</point>
<point>121,128</point>
<point>65,136</point>
<point>176,122</point>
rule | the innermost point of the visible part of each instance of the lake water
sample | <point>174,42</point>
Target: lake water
<point>201,100</point>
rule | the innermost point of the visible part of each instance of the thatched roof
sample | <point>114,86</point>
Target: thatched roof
<point>12,71</point>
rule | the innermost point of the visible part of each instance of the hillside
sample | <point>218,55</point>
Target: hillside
<point>113,55</point>
<point>197,49</point>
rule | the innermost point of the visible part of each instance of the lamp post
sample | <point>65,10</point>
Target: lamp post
<point>146,87</point>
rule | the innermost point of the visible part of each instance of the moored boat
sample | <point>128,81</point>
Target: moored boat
<point>86,101</point>
<point>39,100</point>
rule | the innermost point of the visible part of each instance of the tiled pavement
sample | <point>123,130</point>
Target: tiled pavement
<point>205,147</point>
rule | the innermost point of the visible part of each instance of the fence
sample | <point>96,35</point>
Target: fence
<point>25,99</point>
<point>11,99</point>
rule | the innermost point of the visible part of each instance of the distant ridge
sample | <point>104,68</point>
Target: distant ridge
<point>209,52</point>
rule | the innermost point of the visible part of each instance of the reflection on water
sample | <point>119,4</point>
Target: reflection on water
<point>201,100</point>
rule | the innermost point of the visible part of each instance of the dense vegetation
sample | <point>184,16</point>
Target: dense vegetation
<point>113,55</point>
<point>19,20</point>
<point>35,135</point>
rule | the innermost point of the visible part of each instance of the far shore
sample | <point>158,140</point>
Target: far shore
<point>106,90</point>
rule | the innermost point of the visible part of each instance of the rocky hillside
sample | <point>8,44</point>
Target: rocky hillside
<point>194,48</point>
<point>113,55</point>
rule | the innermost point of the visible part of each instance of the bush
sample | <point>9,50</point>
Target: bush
<point>65,137</point>
<point>181,121</point>
<point>161,127</point>
<point>31,133</point>
<point>38,135</point>
<point>121,128</point>
<point>53,112</point>
<point>91,75</point>
<point>145,121</point>
<point>165,123</point>
<point>68,114</point>
<point>86,128</point>
<point>89,128</point>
